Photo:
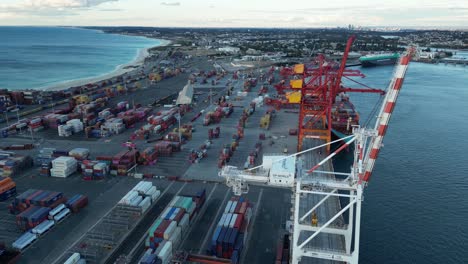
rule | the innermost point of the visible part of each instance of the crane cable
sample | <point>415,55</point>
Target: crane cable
<point>377,106</point>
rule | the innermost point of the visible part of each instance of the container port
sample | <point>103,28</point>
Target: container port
<point>139,176</point>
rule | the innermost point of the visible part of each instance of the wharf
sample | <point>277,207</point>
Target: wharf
<point>324,242</point>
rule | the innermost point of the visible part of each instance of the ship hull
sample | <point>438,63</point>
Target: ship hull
<point>378,62</point>
<point>338,135</point>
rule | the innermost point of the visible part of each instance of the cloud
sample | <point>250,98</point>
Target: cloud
<point>170,3</point>
<point>110,9</point>
<point>43,7</point>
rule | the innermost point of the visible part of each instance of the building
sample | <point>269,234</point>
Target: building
<point>232,50</point>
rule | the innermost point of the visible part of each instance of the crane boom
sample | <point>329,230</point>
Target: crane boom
<point>385,113</point>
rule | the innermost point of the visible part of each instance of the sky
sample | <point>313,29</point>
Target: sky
<point>236,13</point>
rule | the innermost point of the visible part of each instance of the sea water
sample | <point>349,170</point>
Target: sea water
<point>415,208</point>
<point>38,57</point>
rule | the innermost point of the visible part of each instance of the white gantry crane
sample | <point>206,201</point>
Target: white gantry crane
<point>367,142</point>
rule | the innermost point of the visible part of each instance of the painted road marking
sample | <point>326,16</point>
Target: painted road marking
<point>246,246</point>
<point>95,224</point>
<point>220,209</point>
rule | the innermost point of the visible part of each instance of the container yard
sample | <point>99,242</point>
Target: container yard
<point>160,158</point>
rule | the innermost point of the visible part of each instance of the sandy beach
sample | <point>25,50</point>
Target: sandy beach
<point>120,69</point>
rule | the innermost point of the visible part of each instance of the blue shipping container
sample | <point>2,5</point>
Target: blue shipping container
<point>72,200</point>
<point>214,238</point>
<point>7,194</point>
<point>219,242</point>
<point>239,242</point>
<point>235,257</point>
<point>233,237</point>
<point>43,195</point>
<point>168,215</point>
<point>226,239</point>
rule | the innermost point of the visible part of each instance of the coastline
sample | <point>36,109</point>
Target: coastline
<point>133,65</point>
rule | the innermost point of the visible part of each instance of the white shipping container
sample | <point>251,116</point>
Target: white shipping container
<point>64,161</point>
<point>174,200</point>
<point>184,222</point>
<point>25,240</point>
<point>160,247</point>
<point>151,191</point>
<point>233,207</point>
<point>222,220</point>
<point>170,229</point>
<point>233,220</point>
<point>156,129</point>
<point>136,201</point>
<point>64,213</point>
<point>73,259</point>
<point>166,211</point>
<point>43,227</point>
<point>145,204</point>
<point>192,208</point>
<point>228,220</point>
<point>228,207</point>
<point>142,187</point>
<point>166,252</point>
<point>56,210</point>
<point>176,237</point>
<point>155,195</point>
<point>128,197</point>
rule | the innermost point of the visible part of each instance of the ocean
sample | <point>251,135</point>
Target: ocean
<point>39,57</point>
<point>416,207</point>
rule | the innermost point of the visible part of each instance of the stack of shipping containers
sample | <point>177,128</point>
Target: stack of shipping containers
<point>166,233</point>
<point>231,231</point>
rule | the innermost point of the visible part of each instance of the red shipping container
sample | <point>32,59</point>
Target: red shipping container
<point>79,204</point>
<point>162,228</point>
<point>179,215</point>
<point>28,200</point>
<point>239,220</point>
<point>238,206</point>
<point>243,208</point>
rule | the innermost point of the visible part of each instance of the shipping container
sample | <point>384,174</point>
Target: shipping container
<point>43,227</point>
<point>73,259</point>
<point>24,241</point>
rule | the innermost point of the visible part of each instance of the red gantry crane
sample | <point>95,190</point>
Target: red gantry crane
<point>328,185</point>
<point>319,84</point>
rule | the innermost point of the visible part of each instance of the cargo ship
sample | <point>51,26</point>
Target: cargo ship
<point>379,59</point>
<point>344,116</point>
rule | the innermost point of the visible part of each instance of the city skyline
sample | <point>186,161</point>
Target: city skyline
<point>243,13</point>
